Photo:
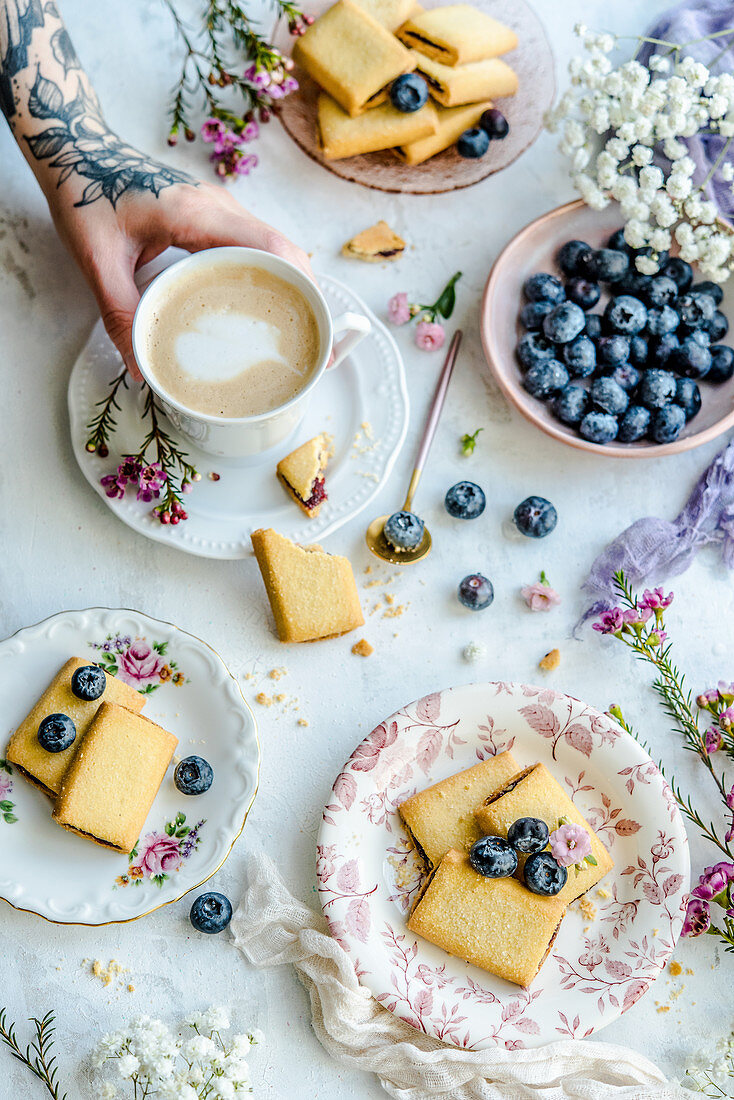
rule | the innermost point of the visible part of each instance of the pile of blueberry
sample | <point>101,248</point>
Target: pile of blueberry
<point>410,92</point>
<point>630,372</point>
<point>495,857</point>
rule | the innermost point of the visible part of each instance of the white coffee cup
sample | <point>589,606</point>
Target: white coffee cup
<point>245,436</point>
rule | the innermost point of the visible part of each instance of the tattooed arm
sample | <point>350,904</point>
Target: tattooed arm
<point>114,207</point>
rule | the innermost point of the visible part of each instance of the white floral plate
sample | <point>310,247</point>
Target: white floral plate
<point>368,872</point>
<point>70,880</point>
<point>363,404</point>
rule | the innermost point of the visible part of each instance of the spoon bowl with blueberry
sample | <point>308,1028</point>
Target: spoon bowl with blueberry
<point>600,354</point>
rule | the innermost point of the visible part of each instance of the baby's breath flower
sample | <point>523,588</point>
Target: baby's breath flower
<point>128,1066</point>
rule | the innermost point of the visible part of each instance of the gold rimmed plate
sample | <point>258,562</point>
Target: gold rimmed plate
<point>188,689</point>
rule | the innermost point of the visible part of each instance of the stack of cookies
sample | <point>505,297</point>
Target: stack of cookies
<point>360,52</point>
<point>86,745</point>
<point>496,923</point>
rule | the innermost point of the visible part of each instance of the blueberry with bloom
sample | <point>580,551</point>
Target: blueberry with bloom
<point>540,596</point>
<point>615,122</point>
<point>430,334</point>
<point>640,623</point>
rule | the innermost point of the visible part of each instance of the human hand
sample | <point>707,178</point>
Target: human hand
<point>111,242</point>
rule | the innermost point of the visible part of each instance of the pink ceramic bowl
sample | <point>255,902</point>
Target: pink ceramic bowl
<point>534,249</point>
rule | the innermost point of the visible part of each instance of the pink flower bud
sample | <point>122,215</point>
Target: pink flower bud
<point>429,335</point>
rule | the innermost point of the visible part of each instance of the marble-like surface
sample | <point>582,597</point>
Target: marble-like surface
<point>62,548</point>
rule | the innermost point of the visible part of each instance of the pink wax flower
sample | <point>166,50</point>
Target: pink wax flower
<point>151,480</point>
<point>611,621</point>
<point>639,615</point>
<point>726,719</point>
<point>113,486</point>
<point>657,637</point>
<point>726,688</point>
<point>570,844</point>
<point>656,600</point>
<point>712,739</point>
<point>139,664</point>
<point>697,919</point>
<point>429,335</point>
<point>251,131</point>
<point>540,596</point>
<point>6,785</point>
<point>159,854</point>
<point>730,799</point>
<point>711,695</point>
<point>212,129</point>
<point>713,881</point>
<point>259,78</point>
<point>398,310</point>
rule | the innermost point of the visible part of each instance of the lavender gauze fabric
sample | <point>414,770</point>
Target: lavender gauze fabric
<point>653,549</point>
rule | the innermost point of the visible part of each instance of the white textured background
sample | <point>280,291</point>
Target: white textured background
<point>62,548</point>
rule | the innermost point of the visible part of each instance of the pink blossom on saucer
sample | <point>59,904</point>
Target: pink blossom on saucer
<point>398,310</point>
<point>139,664</point>
<point>429,335</point>
<point>570,844</point>
<point>159,854</point>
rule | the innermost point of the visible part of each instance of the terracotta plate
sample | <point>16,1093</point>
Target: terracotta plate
<point>533,63</point>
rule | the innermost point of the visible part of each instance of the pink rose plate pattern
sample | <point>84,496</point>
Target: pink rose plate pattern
<point>603,960</point>
<point>188,690</point>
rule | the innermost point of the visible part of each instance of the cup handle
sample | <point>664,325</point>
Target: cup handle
<point>354,327</point>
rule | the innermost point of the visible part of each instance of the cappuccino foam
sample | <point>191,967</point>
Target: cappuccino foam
<point>232,340</point>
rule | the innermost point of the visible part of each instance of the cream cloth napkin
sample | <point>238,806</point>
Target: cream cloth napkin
<point>271,927</point>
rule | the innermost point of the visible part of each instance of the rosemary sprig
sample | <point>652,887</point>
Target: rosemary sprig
<point>37,1055</point>
<point>103,425</point>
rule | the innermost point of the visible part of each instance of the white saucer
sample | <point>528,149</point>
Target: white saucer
<point>367,389</point>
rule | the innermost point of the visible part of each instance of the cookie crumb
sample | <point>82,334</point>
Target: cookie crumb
<point>689,970</point>
<point>263,699</point>
<point>587,908</point>
<point>664,1008</point>
<point>107,974</point>
<point>395,612</point>
<point>362,648</point>
<point>550,661</point>
<point>281,698</point>
<point>131,988</point>
<point>277,673</point>
<point>675,968</point>
<point>302,721</point>
<point>602,893</point>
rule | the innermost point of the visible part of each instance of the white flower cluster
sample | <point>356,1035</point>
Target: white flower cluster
<point>613,120</point>
<point>149,1056</point>
<point>712,1076</point>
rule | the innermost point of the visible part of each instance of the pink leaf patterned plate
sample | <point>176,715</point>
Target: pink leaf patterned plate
<point>368,872</point>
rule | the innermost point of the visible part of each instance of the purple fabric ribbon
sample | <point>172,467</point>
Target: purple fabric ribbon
<point>652,548</point>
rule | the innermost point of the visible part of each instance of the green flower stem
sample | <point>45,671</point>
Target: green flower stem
<point>103,425</point>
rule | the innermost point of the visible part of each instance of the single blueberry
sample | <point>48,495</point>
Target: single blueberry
<point>679,271</point>
<point>580,357</point>
<point>691,359</point>
<point>634,283</point>
<point>614,350</point>
<point>625,314</point>
<point>409,92</point>
<point>695,310</point>
<point>495,123</point>
<point>473,143</point>
<point>634,424</point>
<point>568,256</point>
<point>717,327</point>
<point>688,396</point>
<point>533,348</point>
<point>564,322</point>
<point>592,327</point>
<point>662,291</point>
<point>722,364</point>
<point>535,517</point>
<point>661,348</point>
<point>627,376</point>
<point>465,500</point>
<point>656,388</point>
<point>493,857</point>
<point>583,292</point>
<point>543,875</point>
<point>617,241</point>
<point>528,835</point>
<point>661,320</point>
<point>712,289</point>
<point>532,314</point>
<point>543,287</point>
<point>639,350</point>
<point>605,264</point>
<point>699,336</point>
<point>56,732</point>
<point>571,404</point>
<point>475,592</point>
<point>88,682</point>
<point>404,531</point>
<point>546,378</point>
<point>211,913</point>
<point>667,423</point>
<point>599,427</point>
<point>193,775</point>
<point>609,396</point>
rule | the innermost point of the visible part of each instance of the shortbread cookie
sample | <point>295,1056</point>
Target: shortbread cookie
<point>442,816</point>
<point>312,594</point>
<point>457,34</point>
<point>107,793</point>
<point>47,769</point>
<point>391,14</point>
<point>382,128</point>
<point>375,244</point>
<point>452,121</point>
<point>494,923</point>
<point>452,86</point>
<point>535,793</point>
<point>302,473</point>
<point>352,56</point>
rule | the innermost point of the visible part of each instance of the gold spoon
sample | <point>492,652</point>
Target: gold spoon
<point>375,535</point>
